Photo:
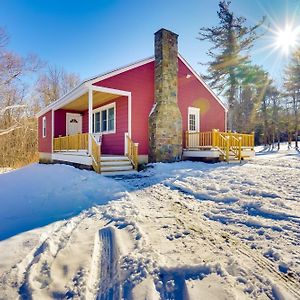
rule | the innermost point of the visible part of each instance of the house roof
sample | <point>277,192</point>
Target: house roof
<point>84,85</point>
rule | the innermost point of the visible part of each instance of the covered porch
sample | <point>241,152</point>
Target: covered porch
<point>93,128</point>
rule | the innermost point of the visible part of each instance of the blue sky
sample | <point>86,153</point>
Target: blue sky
<point>91,37</point>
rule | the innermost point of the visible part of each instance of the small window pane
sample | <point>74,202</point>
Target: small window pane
<point>44,126</point>
<point>104,120</point>
<point>192,122</point>
<point>97,122</point>
<point>93,123</point>
<point>111,119</point>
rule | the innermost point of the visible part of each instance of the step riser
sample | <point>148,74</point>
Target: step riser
<point>115,163</point>
<point>116,168</point>
<point>114,158</point>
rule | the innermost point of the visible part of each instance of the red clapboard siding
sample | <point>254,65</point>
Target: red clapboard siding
<point>60,121</point>
<point>113,143</point>
<point>140,82</point>
<point>191,92</point>
<point>45,143</point>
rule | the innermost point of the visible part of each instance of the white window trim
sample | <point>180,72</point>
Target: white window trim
<point>44,127</point>
<point>102,108</point>
<point>191,110</point>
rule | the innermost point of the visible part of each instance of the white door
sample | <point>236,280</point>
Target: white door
<point>193,126</point>
<point>74,123</point>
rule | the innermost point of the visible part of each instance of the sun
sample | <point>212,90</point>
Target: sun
<point>287,38</point>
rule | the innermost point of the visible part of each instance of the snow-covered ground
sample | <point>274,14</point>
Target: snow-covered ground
<point>186,230</point>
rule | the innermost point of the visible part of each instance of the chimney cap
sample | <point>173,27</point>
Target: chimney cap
<point>165,30</point>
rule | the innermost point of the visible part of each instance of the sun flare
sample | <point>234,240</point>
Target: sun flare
<point>287,39</point>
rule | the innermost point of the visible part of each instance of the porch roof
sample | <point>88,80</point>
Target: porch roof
<point>82,102</point>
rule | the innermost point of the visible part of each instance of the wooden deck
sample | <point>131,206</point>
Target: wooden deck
<point>222,145</point>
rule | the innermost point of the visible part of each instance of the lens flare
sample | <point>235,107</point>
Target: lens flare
<point>287,39</point>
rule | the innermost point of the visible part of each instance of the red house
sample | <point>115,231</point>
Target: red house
<point>157,109</point>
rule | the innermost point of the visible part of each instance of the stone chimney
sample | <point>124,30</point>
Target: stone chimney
<point>165,122</point>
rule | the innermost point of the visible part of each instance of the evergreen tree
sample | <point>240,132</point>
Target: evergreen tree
<point>292,88</point>
<point>230,41</point>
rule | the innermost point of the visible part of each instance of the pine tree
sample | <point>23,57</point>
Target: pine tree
<point>292,88</point>
<point>230,41</point>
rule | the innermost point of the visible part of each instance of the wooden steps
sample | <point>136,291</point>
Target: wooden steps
<point>116,165</point>
<point>110,164</point>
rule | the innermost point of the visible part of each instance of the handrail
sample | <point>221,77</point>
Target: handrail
<point>225,142</point>
<point>75,142</point>
<point>236,146</point>
<point>96,154</point>
<point>132,151</point>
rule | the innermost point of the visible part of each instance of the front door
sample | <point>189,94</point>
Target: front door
<point>193,126</point>
<point>74,123</point>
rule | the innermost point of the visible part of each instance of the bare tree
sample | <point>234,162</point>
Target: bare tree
<point>54,83</point>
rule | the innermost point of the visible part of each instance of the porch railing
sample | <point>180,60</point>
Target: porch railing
<point>96,155</point>
<point>71,142</point>
<point>226,142</point>
<point>132,152</point>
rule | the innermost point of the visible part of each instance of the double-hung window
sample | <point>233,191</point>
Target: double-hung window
<point>104,119</point>
<point>44,127</point>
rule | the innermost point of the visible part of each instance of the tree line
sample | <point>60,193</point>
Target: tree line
<point>256,103</point>
<point>26,85</point>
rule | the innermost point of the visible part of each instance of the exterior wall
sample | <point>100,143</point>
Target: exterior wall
<point>113,143</point>
<point>140,82</point>
<point>45,143</point>
<point>192,93</point>
<point>60,121</point>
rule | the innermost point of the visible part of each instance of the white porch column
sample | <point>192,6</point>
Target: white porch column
<point>90,119</point>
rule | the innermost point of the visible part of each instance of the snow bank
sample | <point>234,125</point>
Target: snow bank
<point>37,195</point>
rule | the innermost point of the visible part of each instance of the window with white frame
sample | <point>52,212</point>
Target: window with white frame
<point>44,127</point>
<point>104,119</point>
<point>192,122</point>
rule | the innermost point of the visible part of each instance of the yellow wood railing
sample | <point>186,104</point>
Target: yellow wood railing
<point>226,142</point>
<point>71,142</point>
<point>96,155</point>
<point>132,152</point>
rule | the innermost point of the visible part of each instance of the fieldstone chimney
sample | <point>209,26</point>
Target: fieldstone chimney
<point>165,122</point>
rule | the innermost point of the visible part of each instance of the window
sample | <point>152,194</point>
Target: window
<point>104,119</point>
<point>192,122</point>
<point>193,119</point>
<point>44,127</point>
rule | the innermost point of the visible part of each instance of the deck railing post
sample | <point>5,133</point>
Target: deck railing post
<point>227,147</point>
<point>240,148</point>
<point>78,141</point>
<point>187,139</point>
<point>90,114</point>
<point>136,147</point>
<point>59,139</point>
<point>214,138</point>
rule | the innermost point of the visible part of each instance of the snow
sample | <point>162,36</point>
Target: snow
<point>40,194</point>
<point>185,230</point>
